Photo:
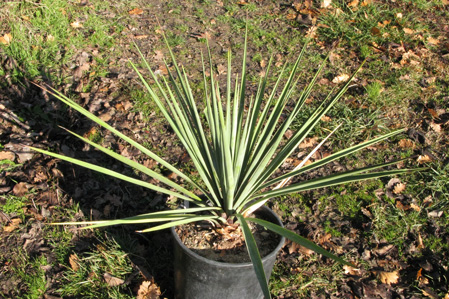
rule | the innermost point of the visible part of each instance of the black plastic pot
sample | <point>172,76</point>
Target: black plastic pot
<point>200,278</point>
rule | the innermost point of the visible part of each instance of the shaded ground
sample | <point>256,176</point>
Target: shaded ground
<point>402,256</point>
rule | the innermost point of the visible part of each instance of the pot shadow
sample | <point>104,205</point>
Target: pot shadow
<point>31,117</point>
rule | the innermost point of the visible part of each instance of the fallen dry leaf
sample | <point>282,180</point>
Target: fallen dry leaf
<point>436,127</point>
<point>6,39</point>
<point>419,274</point>
<point>408,31</point>
<point>406,144</point>
<point>291,16</point>
<point>340,78</point>
<point>142,36</point>
<point>326,3</point>
<point>106,116</point>
<point>76,24</point>
<point>366,2</point>
<point>433,113</point>
<point>20,189</point>
<point>312,32</point>
<point>73,261</point>
<point>148,290</point>
<point>433,41</point>
<point>398,188</point>
<point>388,277</point>
<point>136,11</point>
<point>423,159</point>
<point>375,31</point>
<point>326,118</point>
<point>308,142</point>
<point>420,242</point>
<point>293,247</point>
<point>112,281</point>
<point>351,271</point>
<point>6,155</point>
<point>401,206</point>
<point>13,225</point>
<point>399,15</point>
<point>288,134</point>
<point>353,3</point>
<point>221,69</point>
<point>415,207</point>
<point>435,214</point>
<point>429,293</point>
<point>158,55</point>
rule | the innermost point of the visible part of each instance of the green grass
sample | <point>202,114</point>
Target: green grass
<point>86,277</point>
<point>13,205</point>
<point>47,34</point>
<point>33,275</point>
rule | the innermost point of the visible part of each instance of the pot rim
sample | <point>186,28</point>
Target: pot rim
<point>232,265</point>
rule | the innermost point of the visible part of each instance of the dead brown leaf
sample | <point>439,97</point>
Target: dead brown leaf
<point>406,144</point>
<point>436,127</point>
<point>375,31</point>
<point>293,247</point>
<point>73,261</point>
<point>398,188</point>
<point>326,3</point>
<point>383,250</point>
<point>340,79</point>
<point>141,36</point>
<point>351,271</point>
<point>158,55</point>
<point>415,207</point>
<point>426,291</point>
<point>353,3</point>
<point>106,116</point>
<point>326,118</point>
<point>312,32</point>
<point>13,225</point>
<point>288,134</point>
<point>423,159</point>
<point>388,277</point>
<point>408,31</point>
<point>433,41</point>
<point>6,155</point>
<point>401,206</point>
<point>136,11</point>
<point>148,290</point>
<point>222,69</point>
<point>76,24</point>
<point>6,39</point>
<point>112,281</point>
<point>20,189</point>
<point>420,242</point>
<point>366,2</point>
<point>308,142</point>
<point>433,113</point>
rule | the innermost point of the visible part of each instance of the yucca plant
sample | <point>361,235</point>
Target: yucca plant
<point>237,144</point>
